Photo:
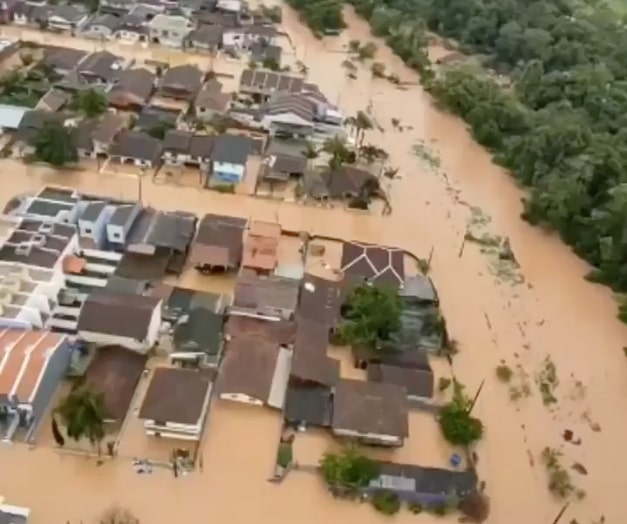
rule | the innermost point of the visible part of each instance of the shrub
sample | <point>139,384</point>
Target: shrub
<point>386,502</point>
<point>224,188</point>
<point>443,383</point>
<point>504,373</point>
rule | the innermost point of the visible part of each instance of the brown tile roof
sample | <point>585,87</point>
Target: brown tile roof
<point>282,332</point>
<point>24,355</point>
<point>378,264</point>
<point>253,291</point>
<point>347,180</point>
<point>248,368</point>
<point>117,314</point>
<point>417,382</point>
<point>73,264</point>
<point>115,372</point>
<point>176,395</point>
<point>310,362</point>
<point>320,299</point>
<point>260,228</point>
<point>218,240</point>
<point>209,98</point>
<point>108,127</point>
<point>260,253</point>
<point>370,407</point>
<point>132,86</point>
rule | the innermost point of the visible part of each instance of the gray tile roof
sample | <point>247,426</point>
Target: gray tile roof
<point>137,145</point>
<point>232,149</point>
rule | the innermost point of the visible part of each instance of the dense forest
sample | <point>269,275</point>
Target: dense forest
<point>560,128</point>
<point>323,17</point>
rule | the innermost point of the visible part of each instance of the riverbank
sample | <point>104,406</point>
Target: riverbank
<point>553,313</point>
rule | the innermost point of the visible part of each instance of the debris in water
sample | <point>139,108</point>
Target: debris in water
<point>568,435</point>
<point>579,468</point>
<point>547,381</point>
<point>430,158</point>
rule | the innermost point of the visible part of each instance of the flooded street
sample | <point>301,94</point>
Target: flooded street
<point>553,313</point>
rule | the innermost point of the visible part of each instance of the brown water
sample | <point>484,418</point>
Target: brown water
<point>554,313</point>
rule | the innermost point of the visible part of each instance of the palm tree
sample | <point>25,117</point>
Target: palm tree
<point>310,153</point>
<point>336,147</point>
<point>82,413</point>
<point>116,515</point>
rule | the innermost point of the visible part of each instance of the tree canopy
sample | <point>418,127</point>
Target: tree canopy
<point>559,128</point>
<point>370,315</point>
<point>348,468</point>
<point>54,145</point>
<point>83,412</point>
<point>458,426</point>
<point>322,16</point>
<point>118,515</point>
<point>91,102</point>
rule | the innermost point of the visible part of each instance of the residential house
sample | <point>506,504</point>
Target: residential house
<point>311,406</point>
<point>265,297</point>
<point>218,243</point>
<point>115,7</point>
<point>131,29</point>
<point>211,101</point>
<point>261,85</point>
<point>54,100</point>
<point>170,30</point>
<point>22,14</point>
<point>192,7</point>
<point>62,59</point>
<point>205,38</point>
<point>100,68</point>
<point>261,52</point>
<point>176,146</point>
<point>289,115</point>
<point>13,514</point>
<point>283,160</point>
<point>379,265</point>
<point>114,372</point>
<point>178,84</point>
<point>150,117</point>
<point>67,17</point>
<point>320,300</point>
<point>132,89</point>
<point>310,364</point>
<point>198,338</point>
<point>215,18</point>
<point>200,150</point>
<point>254,372</point>
<point>369,412</point>
<point>418,291</point>
<point>176,403</point>
<point>34,15</point>
<point>33,365</point>
<point>261,247</point>
<point>229,6</point>
<point>11,116</point>
<point>92,222</point>
<point>277,332</point>
<point>179,302</point>
<point>418,383</point>
<point>137,148</point>
<point>229,157</point>
<point>94,138</point>
<point>120,319</point>
<point>120,223</point>
<point>244,37</point>
<point>156,232</point>
<point>7,9</point>
<point>101,27</point>
<point>347,182</point>
<point>428,487</point>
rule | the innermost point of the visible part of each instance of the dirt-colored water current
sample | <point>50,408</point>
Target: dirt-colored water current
<point>553,313</point>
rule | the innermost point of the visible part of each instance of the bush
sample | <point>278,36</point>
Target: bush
<point>415,508</point>
<point>386,502</point>
<point>504,373</point>
<point>458,426</point>
<point>224,188</point>
<point>443,383</point>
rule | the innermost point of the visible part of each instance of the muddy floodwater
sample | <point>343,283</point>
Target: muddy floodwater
<point>550,313</point>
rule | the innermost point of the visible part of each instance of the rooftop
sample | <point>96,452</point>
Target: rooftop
<point>199,331</point>
<point>417,382</point>
<point>219,241</point>
<point>279,333</point>
<point>377,264</point>
<point>24,356</point>
<point>320,299</point>
<point>310,362</point>
<point>370,408</point>
<point>269,82</point>
<point>117,314</point>
<point>115,372</point>
<point>178,396</point>
<point>258,292</point>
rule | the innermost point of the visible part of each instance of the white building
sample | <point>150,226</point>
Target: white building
<point>180,415</point>
<point>118,319</point>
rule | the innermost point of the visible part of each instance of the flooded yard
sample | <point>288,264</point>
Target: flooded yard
<point>554,313</point>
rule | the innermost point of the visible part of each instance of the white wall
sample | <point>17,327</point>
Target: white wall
<point>104,255</point>
<point>385,439</point>
<point>87,281</point>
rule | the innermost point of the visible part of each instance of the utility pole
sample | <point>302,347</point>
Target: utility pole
<point>474,400</point>
<point>561,513</point>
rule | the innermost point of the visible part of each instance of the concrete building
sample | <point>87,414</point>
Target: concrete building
<point>32,364</point>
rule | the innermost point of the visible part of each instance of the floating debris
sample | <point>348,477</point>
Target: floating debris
<point>428,156</point>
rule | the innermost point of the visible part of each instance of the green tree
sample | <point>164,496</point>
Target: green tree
<point>337,149</point>
<point>386,501</point>
<point>160,129</point>
<point>322,16</point>
<point>83,413</point>
<point>349,468</point>
<point>362,123</point>
<point>378,69</point>
<point>271,63</point>
<point>370,315</point>
<point>54,145</point>
<point>458,426</point>
<point>91,102</point>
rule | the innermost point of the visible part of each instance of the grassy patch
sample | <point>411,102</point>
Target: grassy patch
<point>547,381</point>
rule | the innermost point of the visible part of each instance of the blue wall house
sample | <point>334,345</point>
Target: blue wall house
<point>33,364</point>
<point>425,486</point>
<point>229,156</point>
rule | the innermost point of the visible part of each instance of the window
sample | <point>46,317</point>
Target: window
<point>88,231</point>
